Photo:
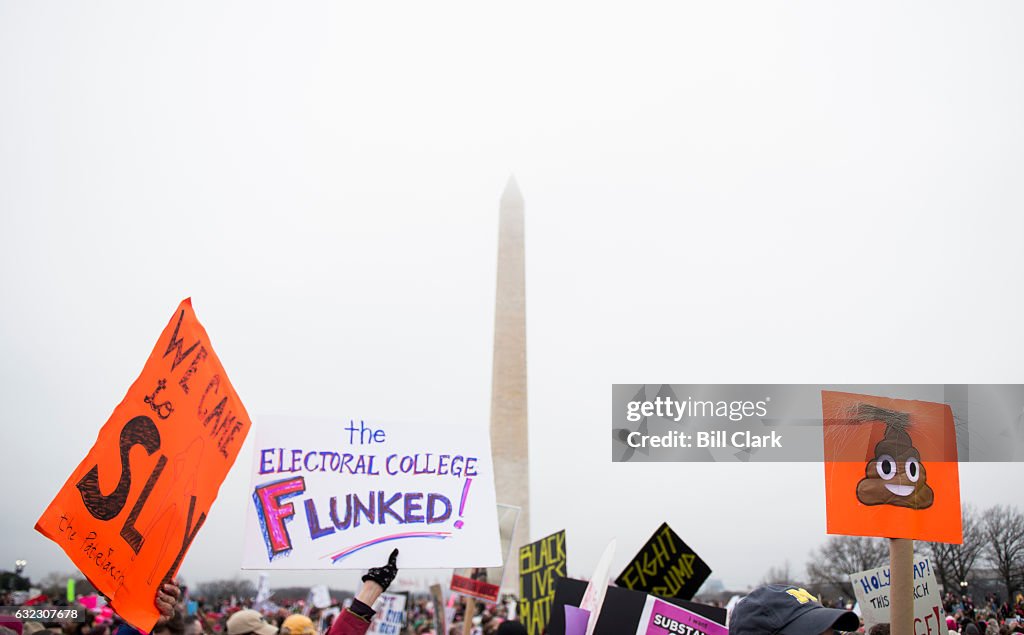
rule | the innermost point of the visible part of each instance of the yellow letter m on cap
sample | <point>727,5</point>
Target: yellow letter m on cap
<point>802,596</point>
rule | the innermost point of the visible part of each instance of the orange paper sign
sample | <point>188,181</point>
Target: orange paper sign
<point>129,512</point>
<point>891,468</point>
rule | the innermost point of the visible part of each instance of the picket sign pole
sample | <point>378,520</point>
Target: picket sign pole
<point>901,591</point>
<point>467,621</point>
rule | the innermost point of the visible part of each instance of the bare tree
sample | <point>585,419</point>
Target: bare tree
<point>833,562</point>
<point>1004,532</point>
<point>221,590</point>
<point>952,563</point>
<point>54,584</point>
<point>779,575</point>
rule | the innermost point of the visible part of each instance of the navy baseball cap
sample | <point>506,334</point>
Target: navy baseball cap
<point>787,610</point>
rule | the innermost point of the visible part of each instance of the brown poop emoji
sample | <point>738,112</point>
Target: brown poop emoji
<point>895,476</point>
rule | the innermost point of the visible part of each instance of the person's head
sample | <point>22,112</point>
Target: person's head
<point>511,627</point>
<point>193,626</point>
<point>31,628</point>
<point>249,621</point>
<point>787,610</point>
<point>879,629</point>
<point>297,625</point>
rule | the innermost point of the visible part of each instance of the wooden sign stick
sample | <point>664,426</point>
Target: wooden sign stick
<point>467,621</point>
<point>901,590</point>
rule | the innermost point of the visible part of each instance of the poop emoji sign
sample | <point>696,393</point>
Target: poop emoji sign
<point>891,468</point>
<point>894,475</point>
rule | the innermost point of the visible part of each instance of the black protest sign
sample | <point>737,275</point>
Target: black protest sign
<point>665,567</point>
<point>621,611</point>
<point>541,564</point>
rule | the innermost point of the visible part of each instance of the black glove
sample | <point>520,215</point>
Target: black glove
<point>385,575</point>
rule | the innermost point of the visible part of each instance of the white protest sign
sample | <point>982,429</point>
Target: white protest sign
<point>320,596</point>
<point>593,596</point>
<point>390,617</point>
<point>327,617</point>
<point>341,494</point>
<point>872,590</point>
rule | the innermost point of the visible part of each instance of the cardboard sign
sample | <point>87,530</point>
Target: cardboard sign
<point>390,617</point>
<point>326,619</point>
<point>576,620</point>
<point>541,564</point>
<point>593,596</point>
<point>341,494</point>
<point>666,567</point>
<point>132,507</point>
<point>891,468</point>
<point>621,611</point>
<point>872,590</point>
<point>320,596</point>
<point>475,585</point>
<point>662,618</point>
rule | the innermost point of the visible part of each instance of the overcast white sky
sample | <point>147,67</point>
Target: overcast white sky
<point>715,192</point>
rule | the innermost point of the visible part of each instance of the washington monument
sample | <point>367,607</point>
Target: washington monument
<point>508,389</point>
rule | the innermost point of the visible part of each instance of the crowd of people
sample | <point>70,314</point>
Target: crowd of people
<point>354,617</point>
<point>987,617</point>
<point>782,609</point>
<point>790,610</point>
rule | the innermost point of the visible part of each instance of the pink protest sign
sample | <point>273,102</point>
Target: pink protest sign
<point>663,618</point>
<point>576,620</point>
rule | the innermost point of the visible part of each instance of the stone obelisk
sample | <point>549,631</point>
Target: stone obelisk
<point>508,388</point>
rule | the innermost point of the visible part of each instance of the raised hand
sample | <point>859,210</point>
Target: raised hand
<point>385,575</point>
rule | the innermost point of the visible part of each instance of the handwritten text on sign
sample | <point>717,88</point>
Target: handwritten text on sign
<point>129,512</point>
<point>329,493</point>
<point>541,564</point>
<point>665,566</point>
<point>390,616</point>
<point>872,591</point>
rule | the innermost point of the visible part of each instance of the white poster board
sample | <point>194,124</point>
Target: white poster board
<point>390,617</point>
<point>341,494</point>
<point>872,590</point>
<point>320,596</point>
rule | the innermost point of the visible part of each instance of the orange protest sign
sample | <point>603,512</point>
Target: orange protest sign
<point>132,507</point>
<point>891,468</point>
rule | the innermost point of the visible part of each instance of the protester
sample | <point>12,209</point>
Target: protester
<point>355,620</point>
<point>249,622</point>
<point>172,619</point>
<point>298,625</point>
<point>511,627</point>
<point>787,610</point>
